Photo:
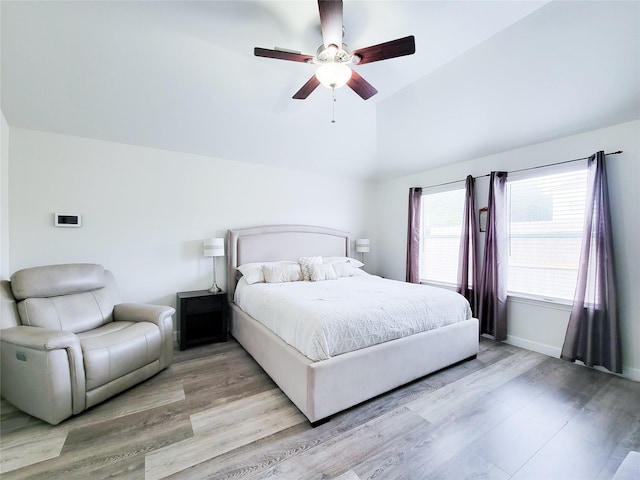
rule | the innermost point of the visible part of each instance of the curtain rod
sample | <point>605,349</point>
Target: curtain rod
<point>524,169</point>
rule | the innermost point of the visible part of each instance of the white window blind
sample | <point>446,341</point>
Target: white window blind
<point>441,226</point>
<point>546,216</point>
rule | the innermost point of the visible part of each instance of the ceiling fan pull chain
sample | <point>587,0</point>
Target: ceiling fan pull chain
<point>333,113</point>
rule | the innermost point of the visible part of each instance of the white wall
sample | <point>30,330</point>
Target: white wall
<point>4,198</point>
<point>537,325</point>
<point>145,212</point>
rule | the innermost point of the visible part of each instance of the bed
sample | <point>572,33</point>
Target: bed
<point>322,386</point>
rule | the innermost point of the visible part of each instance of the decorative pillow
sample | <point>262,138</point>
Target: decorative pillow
<point>305,263</point>
<point>352,261</point>
<point>322,271</point>
<point>343,269</point>
<point>282,273</point>
<point>253,273</point>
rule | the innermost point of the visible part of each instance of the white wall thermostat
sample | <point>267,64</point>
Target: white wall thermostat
<point>67,220</point>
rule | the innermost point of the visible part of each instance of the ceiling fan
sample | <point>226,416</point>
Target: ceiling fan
<point>333,57</point>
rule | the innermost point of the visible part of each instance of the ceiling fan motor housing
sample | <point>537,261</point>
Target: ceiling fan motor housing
<point>333,54</point>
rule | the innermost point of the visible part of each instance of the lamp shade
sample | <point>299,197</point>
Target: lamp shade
<point>362,245</point>
<point>214,247</point>
<point>333,75</point>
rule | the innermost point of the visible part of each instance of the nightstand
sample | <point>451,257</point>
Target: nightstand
<point>202,318</point>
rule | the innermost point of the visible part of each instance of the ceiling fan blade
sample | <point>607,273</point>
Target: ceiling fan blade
<point>383,51</point>
<point>307,88</point>
<point>281,55</point>
<point>331,22</point>
<point>361,86</point>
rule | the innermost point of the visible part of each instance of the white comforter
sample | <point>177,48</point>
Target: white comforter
<point>324,319</point>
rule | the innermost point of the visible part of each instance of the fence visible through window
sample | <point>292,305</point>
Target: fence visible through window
<point>442,214</point>
<point>546,217</point>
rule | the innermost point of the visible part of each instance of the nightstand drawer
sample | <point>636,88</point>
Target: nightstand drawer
<point>204,304</point>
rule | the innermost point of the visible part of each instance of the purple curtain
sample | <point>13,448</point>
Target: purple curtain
<point>468,248</point>
<point>593,334</point>
<point>492,300</point>
<point>413,235</point>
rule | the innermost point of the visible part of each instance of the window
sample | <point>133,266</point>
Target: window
<point>546,216</point>
<point>441,225</point>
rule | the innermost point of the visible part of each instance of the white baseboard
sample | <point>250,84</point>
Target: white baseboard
<point>631,373</point>
<point>628,372</point>
<point>534,346</point>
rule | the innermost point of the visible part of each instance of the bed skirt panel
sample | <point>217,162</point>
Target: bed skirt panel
<point>286,366</point>
<point>348,379</point>
<point>320,389</point>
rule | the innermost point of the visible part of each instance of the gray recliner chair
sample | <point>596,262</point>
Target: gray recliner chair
<point>77,345</point>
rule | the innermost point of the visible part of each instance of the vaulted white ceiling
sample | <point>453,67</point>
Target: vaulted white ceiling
<point>486,77</point>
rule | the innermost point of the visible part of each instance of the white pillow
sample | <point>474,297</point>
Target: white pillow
<point>280,273</point>
<point>352,261</point>
<point>322,271</point>
<point>343,269</point>
<point>305,263</point>
<point>358,272</point>
<point>253,273</point>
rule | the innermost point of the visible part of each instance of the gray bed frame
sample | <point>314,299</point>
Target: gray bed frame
<point>322,388</point>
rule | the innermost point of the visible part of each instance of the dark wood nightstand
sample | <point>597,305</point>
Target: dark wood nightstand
<point>202,316</point>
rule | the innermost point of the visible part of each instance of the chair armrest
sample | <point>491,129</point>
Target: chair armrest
<point>138,312</point>
<point>39,338</point>
<point>42,372</point>
<point>159,314</point>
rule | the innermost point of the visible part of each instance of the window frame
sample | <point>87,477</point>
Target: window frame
<point>530,173</point>
<point>444,188</point>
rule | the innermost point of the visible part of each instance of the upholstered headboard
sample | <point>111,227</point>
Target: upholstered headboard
<point>281,242</point>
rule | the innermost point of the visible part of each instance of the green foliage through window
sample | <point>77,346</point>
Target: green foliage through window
<point>531,204</point>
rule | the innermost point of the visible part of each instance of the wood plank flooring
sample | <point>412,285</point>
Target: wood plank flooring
<point>509,414</point>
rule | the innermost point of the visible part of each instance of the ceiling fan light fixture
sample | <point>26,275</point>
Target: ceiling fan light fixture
<point>333,75</point>
<point>334,58</point>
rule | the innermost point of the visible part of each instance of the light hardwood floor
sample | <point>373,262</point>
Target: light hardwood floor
<point>509,414</point>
